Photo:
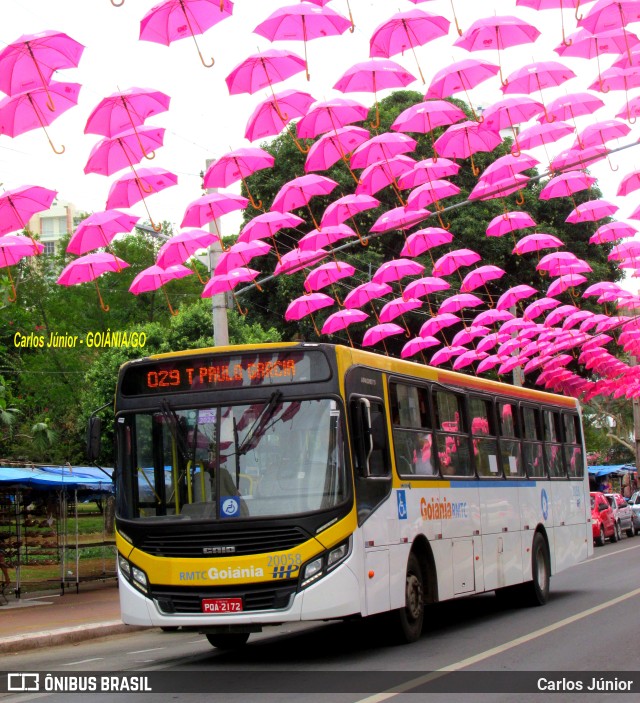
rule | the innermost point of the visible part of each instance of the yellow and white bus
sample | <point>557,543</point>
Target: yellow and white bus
<point>260,485</point>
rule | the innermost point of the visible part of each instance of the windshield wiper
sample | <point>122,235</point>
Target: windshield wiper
<point>175,427</point>
<point>259,423</point>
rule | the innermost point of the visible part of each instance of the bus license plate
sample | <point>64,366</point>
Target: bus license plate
<point>222,605</point>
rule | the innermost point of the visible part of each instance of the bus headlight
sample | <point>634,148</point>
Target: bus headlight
<point>133,574</point>
<point>139,578</point>
<point>320,566</point>
<point>125,567</point>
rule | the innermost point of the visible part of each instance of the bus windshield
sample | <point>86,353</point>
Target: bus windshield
<point>271,458</point>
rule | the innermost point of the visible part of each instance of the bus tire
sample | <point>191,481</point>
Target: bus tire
<point>228,641</point>
<point>536,591</point>
<point>407,622</point>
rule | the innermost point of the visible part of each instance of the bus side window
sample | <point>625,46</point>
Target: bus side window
<point>452,440</point>
<point>411,425</point>
<point>370,438</point>
<point>573,456</point>
<point>532,447</point>
<point>553,446</point>
<point>485,444</point>
<point>509,441</point>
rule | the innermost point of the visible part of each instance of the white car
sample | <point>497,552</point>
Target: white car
<point>622,513</point>
<point>634,504</point>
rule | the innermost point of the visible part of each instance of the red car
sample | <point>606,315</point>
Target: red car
<point>602,519</point>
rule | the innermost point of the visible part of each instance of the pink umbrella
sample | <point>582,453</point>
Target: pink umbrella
<point>425,239</point>
<point>498,33</point>
<point>341,320</point>
<point>428,170</point>
<point>329,115</point>
<point>606,15</point>
<point>124,110</point>
<point>132,187</point>
<point>480,276</point>
<point>272,115</point>
<point>365,293</point>
<point>226,282</point>
<point>346,208</point>
<point>428,193</point>
<point>460,76</point>
<point>442,356</point>
<point>26,111</point>
<point>508,166</point>
<point>19,205</point>
<point>536,242</point>
<point>514,295</point>
<point>371,76</point>
<point>89,268</point>
<point>327,275</point>
<point>399,218</point>
<point>509,222</point>
<point>437,323</point>
<point>571,106</point>
<point>381,147</point>
<point>451,262</point>
<point>298,192</point>
<point>155,277</point>
<point>296,260</point>
<point>577,158</point>
<point>378,333</point>
<point>630,249</point>
<point>413,346</point>
<point>543,133</point>
<point>236,166</point>
<point>631,110</point>
<point>397,308</point>
<point>302,22</point>
<point>384,173</point>
<point>499,189</point>
<point>263,70</point>
<point>99,229</point>
<point>591,211</point>
<point>333,146</point>
<point>600,132</point>
<point>467,358</point>
<point>455,303</point>
<point>490,317</point>
<point>425,286</point>
<point>611,232</point>
<point>240,254</point>
<point>467,335</point>
<point>537,76</point>
<point>184,245</point>
<point>406,30</point>
<point>307,305</point>
<point>490,341</point>
<point>113,154</point>
<point>14,248</point>
<point>465,139</point>
<point>268,224</point>
<point>553,5</point>
<point>564,282</point>
<point>509,112</point>
<point>425,117</point>
<point>559,263</point>
<point>178,19</point>
<point>566,184</point>
<point>629,183</point>
<point>31,60</point>
<point>395,270</point>
<point>208,208</point>
<point>318,239</point>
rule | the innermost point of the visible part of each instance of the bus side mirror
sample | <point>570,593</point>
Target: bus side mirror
<point>94,438</point>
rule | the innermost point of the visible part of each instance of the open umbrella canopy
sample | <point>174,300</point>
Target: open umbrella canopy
<point>124,110</point>
<point>536,242</point>
<point>326,274</point>
<point>184,245</point>
<point>398,306</point>
<point>460,76</point>
<point>19,205</point>
<point>591,211</point>
<point>382,146</point>
<point>240,254</point>
<point>112,154</point>
<point>514,295</point>
<point>99,229</point>
<point>453,260</point>
<point>509,222</point>
<point>129,189</point>
<point>329,115</point>
<point>268,224</point>
<point>263,70</point>
<point>272,115</point>
<point>297,192</point>
<point>566,184</point>
<point>342,319</point>
<point>455,303</point>
<point>611,232</point>
<point>418,344</point>
<point>228,281</point>
<point>320,238</point>
<point>155,277</point>
<point>425,239</point>
<point>378,333</point>
<point>306,305</point>
<point>333,146</point>
<point>347,207</point>
<point>15,247</point>
<point>236,165</point>
<point>425,117</point>
<point>365,293</point>
<point>480,276</point>
<point>89,267</point>
<point>210,207</point>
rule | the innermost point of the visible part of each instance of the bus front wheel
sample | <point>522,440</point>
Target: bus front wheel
<point>408,620</point>
<point>228,640</point>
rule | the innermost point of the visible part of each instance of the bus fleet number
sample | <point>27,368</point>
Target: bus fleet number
<point>163,379</point>
<point>285,559</point>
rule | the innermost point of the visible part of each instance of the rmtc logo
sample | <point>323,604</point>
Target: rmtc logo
<point>284,572</point>
<point>218,550</point>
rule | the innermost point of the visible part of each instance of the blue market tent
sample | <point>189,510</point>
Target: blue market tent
<point>82,477</point>
<point>613,469</point>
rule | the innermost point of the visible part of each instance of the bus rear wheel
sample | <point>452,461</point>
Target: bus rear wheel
<point>228,641</point>
<point>536,591</point>
<point>407,622</point>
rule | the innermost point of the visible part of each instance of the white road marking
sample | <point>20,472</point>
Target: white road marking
<point>144,651</point>
<point>609,554</point>
<point>204,639</point>
<point>487,654</point>
<point>84,661</point>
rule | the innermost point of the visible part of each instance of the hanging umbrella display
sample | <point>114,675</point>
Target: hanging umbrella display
<point>384,173</point>
<point>264,70</point>
<point>99,229</point>
<point>459,301</point>
<point>429,193</point>
<point>424,240</point>
<point>298,192</point>
<point>327,275</point>
<point>499,32</point>
<point>183,246</point>
<point>597,134</point>
<point>19,205</point>
<point>26,111</point>
<point>318,239</point>
<point>397,308</point>
<point>268,224</point>
<point>405,31</point>
<point>112,154</point>
<point>226,282</point>
<point>514,295</point>
<point>606,15</point>
<point>591,211</point>
<point>240,254</point>
<point>346,208</point>
<point>543,133</point>
<point>330,115</point>
<point>413,346</point>
<point>427,170</point>
<point>566,184</point>
<point>484,190</point>
<point>366,293</point>
<point>272,115</point>
<point>236,166</point>
<point>395,270</point>
<point>14,248</point>
<point>568,107</point>
<point>132,188</point>
<point>437,323</point>
<point>480,277</point>
<point>89,268</point>
<point>508,166</point>
<point>509,222</point>
<point>537,76</point>
<point>553,5</point>
<point>536,243</point>
<point>172,20</point>
<point>452,261</point>
<point>565,282</point>
<point>372,76</point>
<point>155,277</point>
<point>577,158</point>
<point>302,22</point>
<point>333,146</point>
<point>426,116</point>
<point>509,112</point>
<point>31,60</point>
<point>307,305</point>
<point>559,263</point>
<point>611,232</point>
<point>210,207</point>
<point>341,320</point>
<point>378,333</point>
<point>382,147</point>
<point>462,140</point>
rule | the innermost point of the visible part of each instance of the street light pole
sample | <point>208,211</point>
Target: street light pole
<point>218,301</point>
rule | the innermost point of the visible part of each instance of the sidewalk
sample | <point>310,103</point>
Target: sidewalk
<point>52,619</point>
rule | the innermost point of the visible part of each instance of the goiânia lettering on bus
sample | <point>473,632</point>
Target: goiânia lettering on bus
<point>216,574</point>
<point>443,509</point>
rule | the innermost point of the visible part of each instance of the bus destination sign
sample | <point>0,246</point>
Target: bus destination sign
<point>224,371</point>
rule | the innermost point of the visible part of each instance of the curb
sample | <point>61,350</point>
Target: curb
<point>67,635</point>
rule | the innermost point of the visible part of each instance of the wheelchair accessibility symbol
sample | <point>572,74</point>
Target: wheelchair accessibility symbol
<point>402,505</point>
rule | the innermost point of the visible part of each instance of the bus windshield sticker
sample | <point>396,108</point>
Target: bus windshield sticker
<point>402,505</point>
<point>229,506</point>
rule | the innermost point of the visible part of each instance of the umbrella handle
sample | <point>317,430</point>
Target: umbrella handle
<point>520,198</point>
<point>352,28</point>
<point>117,4</point>
<point>102,304</point>
<point>577,8</point>
<point>446,227</point>
<point>376,123</point>
<point>456,19</point>
<point>13,296</point>
<point>171,310</point>
<point>240,310</point>
<point>204,63</point>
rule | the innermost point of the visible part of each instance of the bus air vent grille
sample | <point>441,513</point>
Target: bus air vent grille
<point>260,596</point>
